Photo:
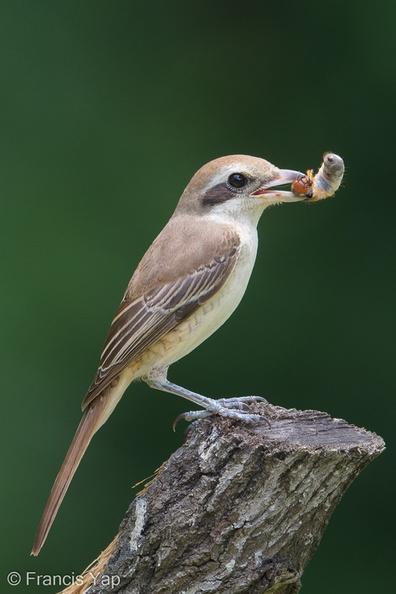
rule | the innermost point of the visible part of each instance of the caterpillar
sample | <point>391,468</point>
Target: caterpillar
<point>325,183</point>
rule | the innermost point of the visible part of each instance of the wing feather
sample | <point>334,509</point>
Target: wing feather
<point>141,322</point>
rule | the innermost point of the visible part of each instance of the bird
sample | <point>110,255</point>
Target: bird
<point>187,284</point>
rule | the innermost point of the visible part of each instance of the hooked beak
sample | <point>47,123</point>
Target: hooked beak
<point>272,194</point>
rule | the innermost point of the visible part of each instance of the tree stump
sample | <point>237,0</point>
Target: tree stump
<point>239,508</point>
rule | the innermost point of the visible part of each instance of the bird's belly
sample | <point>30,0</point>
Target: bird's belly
<point>202,323</point>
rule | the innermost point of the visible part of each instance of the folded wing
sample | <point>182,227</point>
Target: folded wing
<point>141,322</point>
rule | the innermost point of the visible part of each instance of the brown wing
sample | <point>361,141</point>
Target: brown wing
<point>141,322</point>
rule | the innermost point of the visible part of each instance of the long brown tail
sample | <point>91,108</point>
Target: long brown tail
<point>94,416</point>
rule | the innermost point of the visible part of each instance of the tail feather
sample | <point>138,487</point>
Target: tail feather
<point>94,416</point>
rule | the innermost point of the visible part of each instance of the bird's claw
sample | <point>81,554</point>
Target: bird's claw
<point>240,402</point>
<point>234,408</point>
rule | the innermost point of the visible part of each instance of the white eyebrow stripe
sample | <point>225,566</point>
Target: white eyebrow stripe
<point>221,176</point>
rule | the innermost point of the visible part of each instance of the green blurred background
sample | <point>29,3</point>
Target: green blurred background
<point>107,109</point>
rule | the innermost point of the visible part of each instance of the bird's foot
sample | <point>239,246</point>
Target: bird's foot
<point>233,408</point>
<point>240,402</point>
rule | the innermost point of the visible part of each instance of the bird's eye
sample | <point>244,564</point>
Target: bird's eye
<point>238,180</point>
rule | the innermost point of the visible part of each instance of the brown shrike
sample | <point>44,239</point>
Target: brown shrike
<point>187,284</point>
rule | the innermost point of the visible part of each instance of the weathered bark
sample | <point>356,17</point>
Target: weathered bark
<point>239,508</point>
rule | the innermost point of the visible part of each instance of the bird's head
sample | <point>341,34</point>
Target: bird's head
<point>237,186</point>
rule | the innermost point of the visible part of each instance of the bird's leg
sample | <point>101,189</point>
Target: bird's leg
<point>235,408</point>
